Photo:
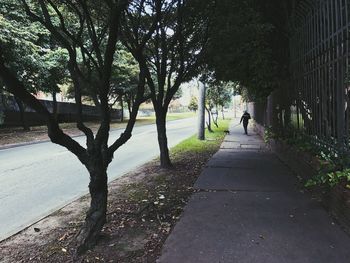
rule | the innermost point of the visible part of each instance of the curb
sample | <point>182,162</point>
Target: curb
<point>15,145</point>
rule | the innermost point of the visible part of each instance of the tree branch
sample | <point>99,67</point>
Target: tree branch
<point>125,136</point>
<point>16,87</point>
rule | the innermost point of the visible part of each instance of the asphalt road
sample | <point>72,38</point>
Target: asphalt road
<point>37,179</point>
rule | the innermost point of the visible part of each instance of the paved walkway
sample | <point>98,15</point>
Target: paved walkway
<point>249,209</point>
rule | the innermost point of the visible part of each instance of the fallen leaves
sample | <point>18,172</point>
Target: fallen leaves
<point>65,235</point>
<point>140,216</point>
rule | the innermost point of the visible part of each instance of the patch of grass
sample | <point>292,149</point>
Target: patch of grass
<point>182,115</point>
<point>211,142</point>
<point>142,210</point>
<point>170,117</point>
<point>14,135</point>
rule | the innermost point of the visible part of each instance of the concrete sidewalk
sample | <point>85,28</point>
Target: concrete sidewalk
<point>249,209</point>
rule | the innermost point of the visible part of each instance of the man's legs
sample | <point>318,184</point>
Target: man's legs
<point>245,125</point>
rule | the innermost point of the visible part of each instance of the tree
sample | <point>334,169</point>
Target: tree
<point>210,108</point>
<point>193,106</point>
<point>31,53</point>
<point>18,38</point>
<point>225,95</point>
<point>54,73</point>
<point>218,95</point>
<point>124,79</point>
<point>89,32</point>
<point>242,45</point>
<point>172,56</point>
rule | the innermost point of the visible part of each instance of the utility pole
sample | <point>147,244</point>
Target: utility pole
<point>201,111</point>
<point>234,106</point>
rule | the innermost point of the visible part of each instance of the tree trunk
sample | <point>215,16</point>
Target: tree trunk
<point>209,120</point>
<point>222,112</point>
<point>215,118</point>
<point>162,138</point>
<point>21,114</point>
<point>129,107</point>
<point>96,215</point>
<point>54,105</point>
<point>122,108</point>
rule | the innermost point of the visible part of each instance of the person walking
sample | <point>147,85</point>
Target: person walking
<point>245,118</point>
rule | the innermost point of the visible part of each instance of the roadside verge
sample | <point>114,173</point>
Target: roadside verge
<point>143,207</point>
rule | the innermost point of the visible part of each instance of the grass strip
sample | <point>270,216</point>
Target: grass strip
<point>143,207</point>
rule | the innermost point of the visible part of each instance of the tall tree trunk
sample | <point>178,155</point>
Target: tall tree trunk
<point>96,215</point>
<point>222,112</point>
<point>129,107</point>
<point>209,120</point>
<point>162,138</point>
<point>21,114</point>
<point>215,117</point>
<point>122,108</point>
<point>54,105</point>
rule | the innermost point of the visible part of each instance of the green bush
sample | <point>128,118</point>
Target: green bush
<point>269,134</point>
<point>330,179</point>
<point>334,166</point>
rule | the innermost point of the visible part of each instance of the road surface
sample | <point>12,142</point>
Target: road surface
<point>38,179</point>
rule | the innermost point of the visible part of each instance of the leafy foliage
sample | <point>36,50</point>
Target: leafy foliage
<point>330,179</point>
<point>243,47</point>
<point>193,105</point>
<point>124,79</point>
<point>219,94</point>
<point>334,168</point>
<point>123,83</point>
<point>173,54</point>
<point>18,40</point>
<point>268,134</point>
<point>30,51</point>
<point>174,35</point>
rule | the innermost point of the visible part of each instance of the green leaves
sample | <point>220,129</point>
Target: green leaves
<point>219,93</point>
<point>193,105</point>
<point>53,69</point>
<point>269,134</point>
<point>330,179</point>
<point>29,51</point>
<point>242,46</point>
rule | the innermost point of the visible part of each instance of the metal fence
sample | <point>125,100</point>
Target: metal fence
<point>320,53</point>
<point>66,112</point>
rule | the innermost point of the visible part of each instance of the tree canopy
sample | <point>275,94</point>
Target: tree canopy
<point>173,54</point>
<point>249,44</point>
<point>29,50</point>
<point>193,105</point>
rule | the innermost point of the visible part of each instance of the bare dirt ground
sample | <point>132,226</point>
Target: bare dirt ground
<point>143,208</point>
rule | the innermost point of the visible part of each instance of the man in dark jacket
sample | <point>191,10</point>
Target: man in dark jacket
<point>245,118</point>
